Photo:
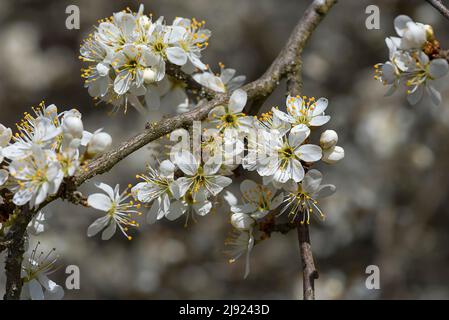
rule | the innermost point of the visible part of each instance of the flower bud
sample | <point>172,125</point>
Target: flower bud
<point>149,76</point>
<point>429,33</point>
<point>333,154</point>
<point>72,127</point>
<point>242,221</point>
<point>98,143</point>
<point>415,35</point>
<point>5,135</point>
<point>328,139</point>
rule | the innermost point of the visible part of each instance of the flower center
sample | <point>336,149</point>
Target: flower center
<point>286,152</point>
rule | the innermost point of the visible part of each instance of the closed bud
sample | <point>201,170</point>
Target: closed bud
<point>429,33</point>
<point>333,155</point>
<point>98,143</point>
<point>149,76</point>
<point>5,135</point>
<point>242,221</point>
<point>328,139</point>
<point>72,127</point>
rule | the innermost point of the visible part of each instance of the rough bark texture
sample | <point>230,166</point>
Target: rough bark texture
<point>309,272</point>
<point>286,64</point>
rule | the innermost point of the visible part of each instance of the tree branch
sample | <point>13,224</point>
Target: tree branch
<point>438,4</point>
<point>16,249</point>
<point>285,63</point>
<point>309,271</point>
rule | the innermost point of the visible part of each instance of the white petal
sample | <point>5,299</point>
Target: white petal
<point>212,166</point>
<point>217,183</point>
<point>36,291</point>
<point>109,231</point>
<point>177,56</point>
<point>230,198</point>
<point>310,152</point>
<point>276,202</point>
<point>99,201</point>
<point>438,68</point>
<point>97,226</point>
<point>416,95</point>
<point>186,162</point>
<point>312,181</point>
<point>106,188</point>
<point>319,120</point>
<point>400,24</point>
<point>320,106</point>
<point>180,187</point>
<point>242,221</point>
<point>122,82</point>
<point>202,208</point>
<point>434,94</point>
<point>244,208</point>
<point>237,101</point>
<point>167,168</point>
<point>297,135</point>
<point>325,190</point>
<point>3,176</point>
<point>177,209</point>
<point>283,116</point>
<point>153,212</point>
<point>296,171</point>
<point>227,74</point>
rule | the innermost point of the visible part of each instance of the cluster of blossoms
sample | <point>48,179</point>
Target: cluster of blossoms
<point>48,147</point>
<point>415,61</point>
<point>128,55</point>
<point>276,145</point>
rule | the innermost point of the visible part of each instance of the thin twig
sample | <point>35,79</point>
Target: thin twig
<point>309,273</point>
<point>438,4</point>
<point>282,66</point>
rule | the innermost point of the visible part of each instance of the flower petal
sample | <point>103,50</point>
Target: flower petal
<point>99,201</point>
<point>109,231</point>
<point>312,181</point>
<point>97,226</point>
<point>310,152</point>
<point>176,56</point>
<point>186,162</point>
<point>237,101</point>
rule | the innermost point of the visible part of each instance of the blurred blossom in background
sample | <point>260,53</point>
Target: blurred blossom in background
<point>392,200</point>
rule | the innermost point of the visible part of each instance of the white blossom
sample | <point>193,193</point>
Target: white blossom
<point>258,199</point>
<point>232,116</point>
<point>301,111</point>
<point>282,160</point>
<point>303,197</point>
<point>119,211</point>
<point>36,176</point>
<point>198,177</point>
<point>241,242</point>
<point>35,271</point>
<point>156,189</point>
<point>189,204</point>
<point>225,82</point>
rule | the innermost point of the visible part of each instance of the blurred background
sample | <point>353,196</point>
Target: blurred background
<point>391,208</point>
